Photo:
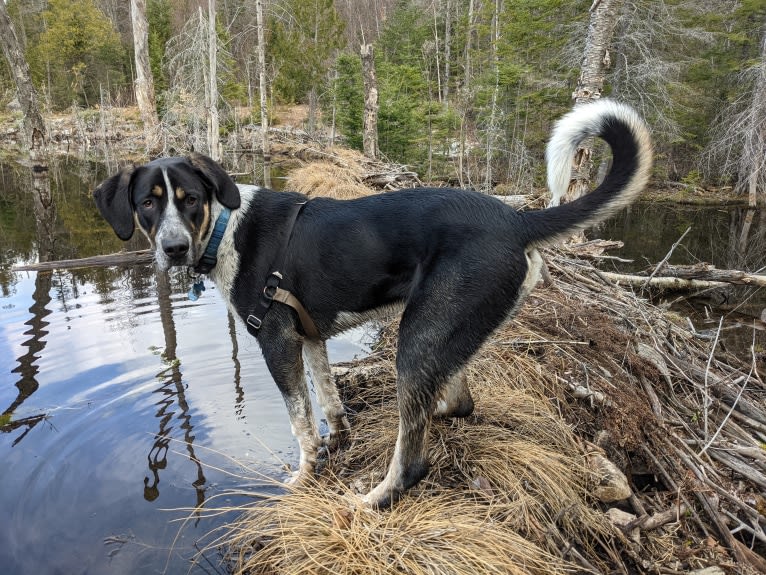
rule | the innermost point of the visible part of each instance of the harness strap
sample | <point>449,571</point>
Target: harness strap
<point>284,296</point>
<point>271,290</point>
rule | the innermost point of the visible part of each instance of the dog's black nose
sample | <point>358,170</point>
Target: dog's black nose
<point>175,248</point>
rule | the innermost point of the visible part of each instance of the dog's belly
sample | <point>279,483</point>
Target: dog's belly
<point>347,319</point>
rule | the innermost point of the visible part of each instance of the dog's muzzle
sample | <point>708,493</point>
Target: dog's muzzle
<point>176,251</point>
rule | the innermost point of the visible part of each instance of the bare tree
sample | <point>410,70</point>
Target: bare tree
<point>447,46</point>
<point>35,132</point>
<point>144,86</point>
<point>192,111</point>
<point>363,24</point>
<point>596,61</point>
<point>741,144</point>
<point>493,126</point>
<point>364,18</point>
<point>752,166</point>
<point>263,87</point>
<point>370,120</point>
<point>211,88</point>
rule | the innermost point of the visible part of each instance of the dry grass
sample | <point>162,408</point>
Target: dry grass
<point>344,174</point>
<point>509,490</point>
<point>327,179</point>
<point>317,530</point>
<point>506,492</point>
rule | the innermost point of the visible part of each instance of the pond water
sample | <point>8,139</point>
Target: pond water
<point>731,237</point>
<point>125,405</point>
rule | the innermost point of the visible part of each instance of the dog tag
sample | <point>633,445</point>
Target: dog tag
<point>196,290</point>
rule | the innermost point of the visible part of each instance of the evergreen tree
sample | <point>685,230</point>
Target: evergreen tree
<point>301,43</point>
<point>78,54</point>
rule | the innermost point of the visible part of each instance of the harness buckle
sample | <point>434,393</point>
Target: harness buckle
<point>254,322</point>
<point>272,283</point>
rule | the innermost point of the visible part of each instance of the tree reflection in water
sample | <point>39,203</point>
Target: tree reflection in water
<point>172,391</point>
<point>39,186</point>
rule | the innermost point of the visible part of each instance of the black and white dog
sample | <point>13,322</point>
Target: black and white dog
<point>458,263</point>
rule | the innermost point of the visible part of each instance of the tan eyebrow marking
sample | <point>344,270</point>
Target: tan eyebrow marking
<point>205,217</point>
<point>157,191</point>
<point>180,193</point>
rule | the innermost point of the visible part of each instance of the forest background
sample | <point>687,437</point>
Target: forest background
<point>467,89</point>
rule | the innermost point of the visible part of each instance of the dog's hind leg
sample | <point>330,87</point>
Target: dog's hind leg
<point>409,463</point>
<point>424,364</point>
<point>454,398</point>
<point>282,353</point>
<point>315,354</point>
<point>448,316</point>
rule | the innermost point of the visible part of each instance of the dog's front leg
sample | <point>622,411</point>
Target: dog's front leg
<point>283,358</point>
<point>315,353</point>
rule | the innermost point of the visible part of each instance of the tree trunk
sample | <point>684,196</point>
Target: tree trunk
<point>144,86</point>
<point>261,48</point>
<point>596,60</point>
<point>35,133</point>
<point>436,53</point>
<point>493,129</point>
<point>468,46</point>
<point>213,137</point>
<point>753,162</point>
<point>447,54</point>
<point>370,124</point>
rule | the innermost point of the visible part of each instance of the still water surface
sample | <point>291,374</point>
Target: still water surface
<point>124,404</point>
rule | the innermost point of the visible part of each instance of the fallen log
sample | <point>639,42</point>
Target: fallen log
<point>693,277</point>
<point>708,272</point>
<point>119,259</point>
<point>661,283</point>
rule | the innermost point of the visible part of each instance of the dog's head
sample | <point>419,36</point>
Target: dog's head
<point>170,200</point>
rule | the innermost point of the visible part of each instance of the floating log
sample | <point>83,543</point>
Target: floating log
<point>708,272</point>
<point>138,257</point>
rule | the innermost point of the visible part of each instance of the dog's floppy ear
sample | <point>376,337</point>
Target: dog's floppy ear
<point>113,200</point>
<point>225,189</point>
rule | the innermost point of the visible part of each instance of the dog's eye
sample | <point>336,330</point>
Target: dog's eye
<point>191,201</point>
<point>148,204</point>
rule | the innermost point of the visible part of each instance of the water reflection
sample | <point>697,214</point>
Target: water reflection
<point>39,188</point>
<point>239,405</point>
<point>27,366</point>
<point>172,391</point>
<point>81,349</point>
<point>727,237</point>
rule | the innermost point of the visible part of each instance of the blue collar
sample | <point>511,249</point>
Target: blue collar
<point>210,257</point>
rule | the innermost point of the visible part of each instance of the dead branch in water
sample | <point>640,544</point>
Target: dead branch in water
<point>135,258</point>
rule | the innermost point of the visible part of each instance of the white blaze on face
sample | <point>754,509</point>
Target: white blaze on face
<point>171,227</point>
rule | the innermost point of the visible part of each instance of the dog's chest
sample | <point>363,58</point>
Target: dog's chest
<point>226,270</point>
